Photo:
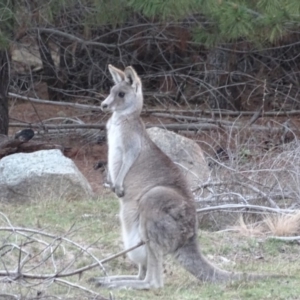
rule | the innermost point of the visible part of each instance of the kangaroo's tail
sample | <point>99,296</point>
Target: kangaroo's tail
<point>190,257</point>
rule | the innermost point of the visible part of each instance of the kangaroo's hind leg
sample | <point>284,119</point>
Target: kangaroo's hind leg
<point>154,273</point>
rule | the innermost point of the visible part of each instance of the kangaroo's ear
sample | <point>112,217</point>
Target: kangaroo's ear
<point>117,75</point>
<point>132,78</point>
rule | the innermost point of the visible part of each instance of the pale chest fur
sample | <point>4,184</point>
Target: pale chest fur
<point>114,137</point>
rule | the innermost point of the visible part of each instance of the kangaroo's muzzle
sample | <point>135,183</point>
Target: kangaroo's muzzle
<point>104,106</point>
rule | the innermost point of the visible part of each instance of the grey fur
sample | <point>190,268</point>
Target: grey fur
<point>156,205</point>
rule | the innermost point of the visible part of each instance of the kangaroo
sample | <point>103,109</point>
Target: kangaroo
<point>156,206</point>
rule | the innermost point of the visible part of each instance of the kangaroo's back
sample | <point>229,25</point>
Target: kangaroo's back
<point>153,168</point>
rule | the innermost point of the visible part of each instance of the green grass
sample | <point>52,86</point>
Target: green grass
<point>94,225</point>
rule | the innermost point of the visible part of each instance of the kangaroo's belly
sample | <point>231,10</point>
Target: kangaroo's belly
<point>114,151</point>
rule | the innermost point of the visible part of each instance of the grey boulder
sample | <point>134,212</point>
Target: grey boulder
<point>41,175</point>
<point>184,152</point>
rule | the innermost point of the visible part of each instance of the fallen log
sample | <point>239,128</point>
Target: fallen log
<point>21,142</point>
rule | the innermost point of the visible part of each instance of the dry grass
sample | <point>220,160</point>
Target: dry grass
<point>248,229</point>
<point>275,225</point>
<point>283,224</point>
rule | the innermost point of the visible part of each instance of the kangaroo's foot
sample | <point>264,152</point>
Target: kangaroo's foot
<point>102,281</point>
<point>130,284</point>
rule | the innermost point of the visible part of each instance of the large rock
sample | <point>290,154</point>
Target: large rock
<point>41,175</point>
<point>186,153</point>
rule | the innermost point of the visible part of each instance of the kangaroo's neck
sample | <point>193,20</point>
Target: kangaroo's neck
<point>123,116</point>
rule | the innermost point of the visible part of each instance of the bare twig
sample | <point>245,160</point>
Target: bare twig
<point>255,189</point>
<point>244,184</point>
<point>59,274</point>
<point>80,287</point>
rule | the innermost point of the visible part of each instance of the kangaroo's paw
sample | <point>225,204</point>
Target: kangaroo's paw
<point>119,190</point>
<point>107,185</point>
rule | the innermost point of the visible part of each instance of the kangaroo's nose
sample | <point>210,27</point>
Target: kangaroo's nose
<point>104,106</point>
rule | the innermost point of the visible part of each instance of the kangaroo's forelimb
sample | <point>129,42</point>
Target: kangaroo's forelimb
<point>129,156</point>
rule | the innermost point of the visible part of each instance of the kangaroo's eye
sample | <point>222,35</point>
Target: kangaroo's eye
<point>121,95</point>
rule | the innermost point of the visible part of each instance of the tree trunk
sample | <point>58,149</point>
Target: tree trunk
<point>222,94</point>
<point>4,84</point>
<point>65,67</point>
<point>49,70</point>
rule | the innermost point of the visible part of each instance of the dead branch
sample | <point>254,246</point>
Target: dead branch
<point>36,146</point>
<point>58,127</point>
<point>58,274</point>
<point>260,192</point>
<point>223,112</point>
<point>174,127</point>
<point>31,146</point>
<point>244,184</point>
<point>200,112</point>
<point>189,118</point>
<point>48,102</point>
<point>244,207</point>
<point>207,126</point>
<point>9,297</point>
<point>77,286</point>
<point>285,238</point>
<point>14,145</point>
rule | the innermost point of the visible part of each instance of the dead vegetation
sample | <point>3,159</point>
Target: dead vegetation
<point>275,225</point>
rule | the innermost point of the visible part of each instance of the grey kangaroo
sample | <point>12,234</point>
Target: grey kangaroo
<point>156,205</point>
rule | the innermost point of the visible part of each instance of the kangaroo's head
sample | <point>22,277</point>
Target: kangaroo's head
<point>126,95</point>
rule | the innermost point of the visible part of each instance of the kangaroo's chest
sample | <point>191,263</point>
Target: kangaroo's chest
<point>115,153</point>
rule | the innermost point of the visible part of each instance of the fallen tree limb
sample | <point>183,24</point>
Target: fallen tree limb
<point>205,126</point>
<point>192,118</point>
<point>174,127</point>
<point>237,198</point>
<point>13,145</point>
<point>22,143</point>
<point>223,112</point>
<point>36,146</point>
<point>57,103</point>
<point>285,238</point>
<point>152,111</point>
<point>63,126</point>
<point>243,207</point>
